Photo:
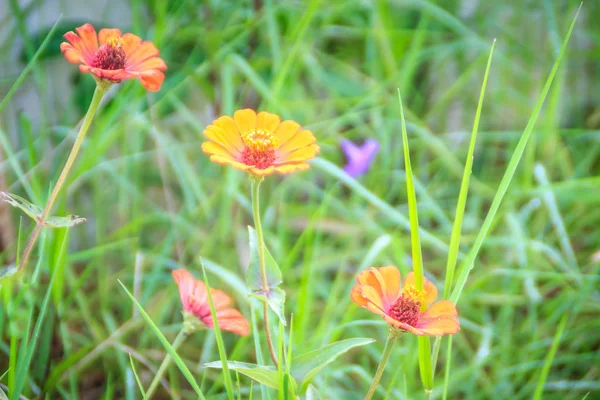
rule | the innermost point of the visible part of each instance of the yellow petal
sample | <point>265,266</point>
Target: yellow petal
<point>245,120</point>
<point>106,33</point>
<point>267,121</point>
<point>301,139</point>
<point>262,172</point>
<point>231,141</point>
<point>292,167</point>
<point>286,130</point>
<point>213,148</point>
<point>230,161</point>
<point>302,154</point>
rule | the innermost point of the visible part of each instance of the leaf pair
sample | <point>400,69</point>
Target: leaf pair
<point>274,296</point>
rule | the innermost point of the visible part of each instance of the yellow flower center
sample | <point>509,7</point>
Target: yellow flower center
<point>411,292</point>
<point>260,148</point>
<point>408,306</point>
<point>114,42</point>
<point>260,140</point>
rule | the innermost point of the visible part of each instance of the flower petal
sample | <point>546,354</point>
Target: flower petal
<point>151,63</point>
<point>402,326</point>
<point>300,139</point>
<point>141,53</point>
<point>262,172</point>
<point>71,53</point>
<point>245,120</point>
<point>374,298</point>
<point>286,130</point>
<point>291,167</point>
<point>357,297</point>
<point>131,42</point>
<point>302,154</point>
<point>228,125</point>
<point>267,121</point>
<point>390,284</point>
<point>440,309</point>
<point>106,33</point>
<point>220,299</point>
<point>230,161</point>
<point>232,142</point>
<point>152,79</point>
<point>368,278</point>
<point>233,321</point>
<point>213,148</point>
<point>89,40</point>
<point>440,326</point>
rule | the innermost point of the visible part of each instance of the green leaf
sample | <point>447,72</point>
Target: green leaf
<point>268,376</point>
<point>253,276</point>
<point>36,212</point>
<point>137,378</point>
<point>176,358</point>
<point>307,365</point>
<point>276,300</point>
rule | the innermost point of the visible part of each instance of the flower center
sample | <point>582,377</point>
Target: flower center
<point>260,148</point>
<point>110,55</point>
<point>408,306</point>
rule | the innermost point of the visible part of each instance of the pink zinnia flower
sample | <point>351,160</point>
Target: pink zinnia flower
<point>194,298</point>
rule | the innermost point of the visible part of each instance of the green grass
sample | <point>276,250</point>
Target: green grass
<point>526,285</point>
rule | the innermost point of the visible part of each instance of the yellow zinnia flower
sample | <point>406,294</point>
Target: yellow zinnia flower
<point>259,143</point>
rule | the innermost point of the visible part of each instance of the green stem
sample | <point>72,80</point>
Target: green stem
<point>99,93</point>
<point>261,261</point>
<point>165,364</point>
<point>387,350</point>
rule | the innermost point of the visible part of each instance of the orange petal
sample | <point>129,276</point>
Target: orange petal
<point>401,325</point>
<point>152,79</point>
<point>357,297</point>
<point>151,63</point>
<point>89,40</point>
<point>439,326</point>
<point>440,309</point>
<point>220,299</point>
<point>390,284</point>
<point>233,321</point>
<point>292,167</point>
<point>245,120</point>
<point>186,282</point>
<point>130,42</point>
<point>286,130</point>
<point>216,149</point>
<point>301,139</point>
<point>71,53</point>
<point>267,121</point>
<point>368,278</point>
<point>228,125</point>
<point>302,154</point>
<point>106,33</point>
<point>374,297</point>
<point>141,53</point>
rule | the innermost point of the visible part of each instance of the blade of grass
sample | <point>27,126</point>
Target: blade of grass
<point>137,379</point>
<point>163,340</point>
<point>468,264</point>
<point>539,390</point>
<point>29,66</point>
<point>219,337</point>
<point>424,343</point>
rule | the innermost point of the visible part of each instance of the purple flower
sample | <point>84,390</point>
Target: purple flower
<point>359,157</point>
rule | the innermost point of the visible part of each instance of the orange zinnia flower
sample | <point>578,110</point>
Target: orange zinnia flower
<point>379,291</point>
<point>259,143</point>
<point>194,298</point>
<point>113,57</point>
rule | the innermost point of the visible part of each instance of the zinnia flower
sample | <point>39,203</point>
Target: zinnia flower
<point>113,57</point>
<point>194,298</point>
<point>379,291</point>
<point>359,157</point>
<point>259,143</point>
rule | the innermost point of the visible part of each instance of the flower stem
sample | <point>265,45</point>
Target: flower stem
<point>387,350</point>
<point>85,125</point>
<point>261,261</point>
<point>166,362</point>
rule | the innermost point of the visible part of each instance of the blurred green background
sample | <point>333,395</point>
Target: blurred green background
<point>154,202</point>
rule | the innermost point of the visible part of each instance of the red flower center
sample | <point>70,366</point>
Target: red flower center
<point>408,306</point>
<point>260,148</point>
<point>110,55</point>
